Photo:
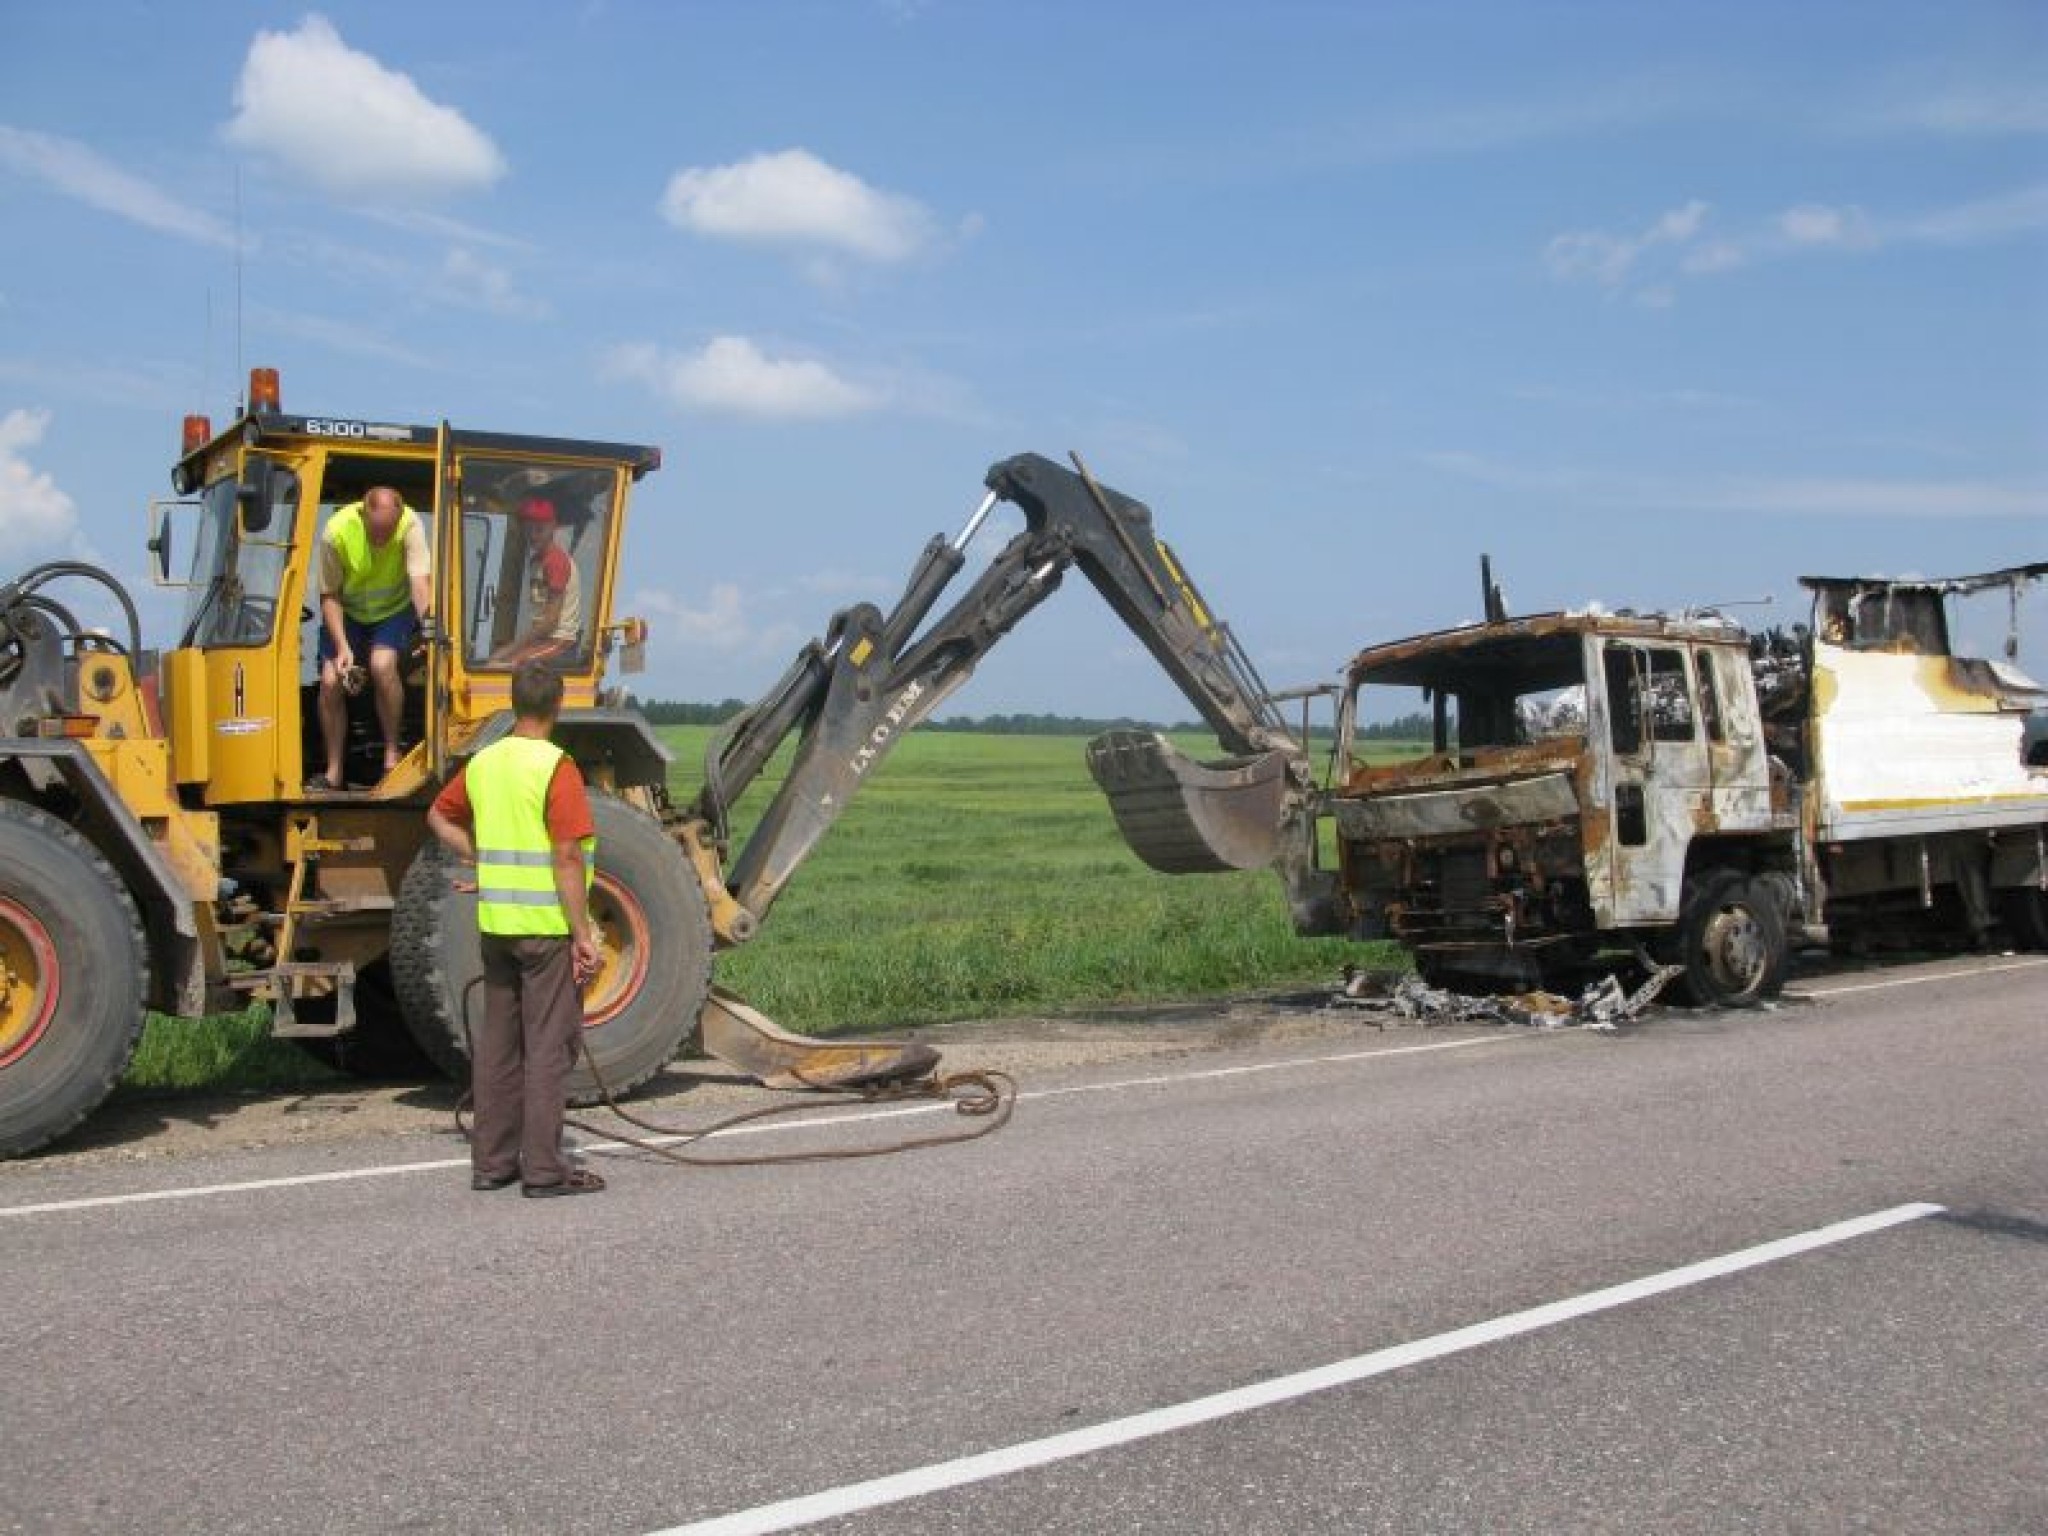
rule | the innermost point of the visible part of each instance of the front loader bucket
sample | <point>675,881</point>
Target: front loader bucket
<point>1188,818</point>
<point>743,1037</point>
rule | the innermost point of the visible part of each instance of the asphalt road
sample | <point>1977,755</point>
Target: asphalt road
<point>1038,1325</point>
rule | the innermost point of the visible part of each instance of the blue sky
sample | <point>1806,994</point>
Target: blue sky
<point>1658,304</point>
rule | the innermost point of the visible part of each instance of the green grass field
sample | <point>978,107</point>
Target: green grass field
<point>976,876</point>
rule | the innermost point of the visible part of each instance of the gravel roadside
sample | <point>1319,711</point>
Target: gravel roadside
<point>133,1128</point>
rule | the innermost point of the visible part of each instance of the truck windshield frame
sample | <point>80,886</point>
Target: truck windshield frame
<point>1509,691</point>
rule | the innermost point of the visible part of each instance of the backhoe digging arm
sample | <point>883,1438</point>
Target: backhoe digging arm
<point>848,698</point>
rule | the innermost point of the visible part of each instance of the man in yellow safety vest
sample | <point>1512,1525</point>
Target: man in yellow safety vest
<point>376,589</point>
<point>519,811</point>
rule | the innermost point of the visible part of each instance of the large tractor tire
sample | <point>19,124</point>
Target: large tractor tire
<point>381,1048</point>
<point>71,978</point>
<point>1731,940</point>
<point>643,1003</point>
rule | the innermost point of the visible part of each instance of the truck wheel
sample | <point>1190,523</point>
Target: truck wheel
<point>1731,940</point>
<point>642,1004</point>
<point>2026,914</point>
<point>71,978</point>
<point>380,1049</point>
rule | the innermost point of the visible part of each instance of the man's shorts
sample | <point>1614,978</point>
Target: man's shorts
<point>394,634</point>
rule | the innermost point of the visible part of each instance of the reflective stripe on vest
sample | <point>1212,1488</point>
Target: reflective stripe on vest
<point>515,859</point>
<point>373,580</point>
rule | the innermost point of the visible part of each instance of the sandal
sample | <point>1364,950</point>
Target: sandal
<point>581,1181</point>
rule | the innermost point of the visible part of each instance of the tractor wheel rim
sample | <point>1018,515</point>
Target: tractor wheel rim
<point>624,944</point>
<point>29,976</point>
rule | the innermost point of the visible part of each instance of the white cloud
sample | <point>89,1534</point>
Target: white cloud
<point>792,197</point>
<point>34,513</point>
<point>1985,110</point>
<point>1814,224</point>
<point>830,582</point>
<point>1848,497</point>
<point>1714,256</point>
<point>722,622</point>
<point>351,126</point>
<point>730,374</point>
<point>352,338</point>
<point>1679,225</point>
<point>1783,496</point>
<point>84,174</point>
<point>1626,260</point>
<point>481,285</point>
<point>162,387</point>
<point>439,226</point>
<point>1610,259</point>
<point>1992,218</point>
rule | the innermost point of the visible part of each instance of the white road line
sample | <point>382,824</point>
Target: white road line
<point>1921,981</point>
<point>1246,1069</point>
<point>821,1122</point>
<point>242,1186</point>
<point>852,1498</point>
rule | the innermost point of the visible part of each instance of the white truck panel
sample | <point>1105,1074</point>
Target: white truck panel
<point>1904,744</point>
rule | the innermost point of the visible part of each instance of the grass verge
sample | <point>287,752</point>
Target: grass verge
<point>974,877</point>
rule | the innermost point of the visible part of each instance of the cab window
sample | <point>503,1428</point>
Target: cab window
<point>531,549</point>
<point>1647,696</point>
<point>236,574</point>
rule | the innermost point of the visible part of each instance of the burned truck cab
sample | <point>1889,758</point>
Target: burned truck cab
<point>1575,768</point>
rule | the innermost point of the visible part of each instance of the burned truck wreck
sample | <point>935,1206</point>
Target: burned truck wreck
<point>1666,787</point>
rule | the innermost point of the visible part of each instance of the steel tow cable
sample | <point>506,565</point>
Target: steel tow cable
<point>983,1094</point>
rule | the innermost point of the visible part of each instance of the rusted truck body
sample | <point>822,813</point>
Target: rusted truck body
<point>1674,788</point>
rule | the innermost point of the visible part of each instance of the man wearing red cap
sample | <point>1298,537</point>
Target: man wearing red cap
<point>554,596</point>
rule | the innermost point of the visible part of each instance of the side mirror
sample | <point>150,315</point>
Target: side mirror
<point>630,636</point>
<point>255,496</point>
<point>252,506</point>
<point>162,514</point>
<point>160,546</point>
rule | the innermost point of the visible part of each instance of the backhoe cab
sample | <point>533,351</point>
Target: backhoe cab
<point>239,681</point>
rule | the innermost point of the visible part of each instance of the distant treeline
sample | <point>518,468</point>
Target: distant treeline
<point>674,712</point>
<point>1413,727</point>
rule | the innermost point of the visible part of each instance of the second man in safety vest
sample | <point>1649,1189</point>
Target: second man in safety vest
<point>518,808</point>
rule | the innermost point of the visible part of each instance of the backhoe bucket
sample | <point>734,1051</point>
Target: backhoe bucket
<point>1187,818</point>
<point>743,1037</point>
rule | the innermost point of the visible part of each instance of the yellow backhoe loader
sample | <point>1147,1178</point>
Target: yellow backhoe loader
<point>159,847</point>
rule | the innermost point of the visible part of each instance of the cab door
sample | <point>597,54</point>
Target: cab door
<point>530,553</point>
<point>1662,778</point>
<point>234,651</point>
<point>447,583</point>
<point>1735,739</point>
